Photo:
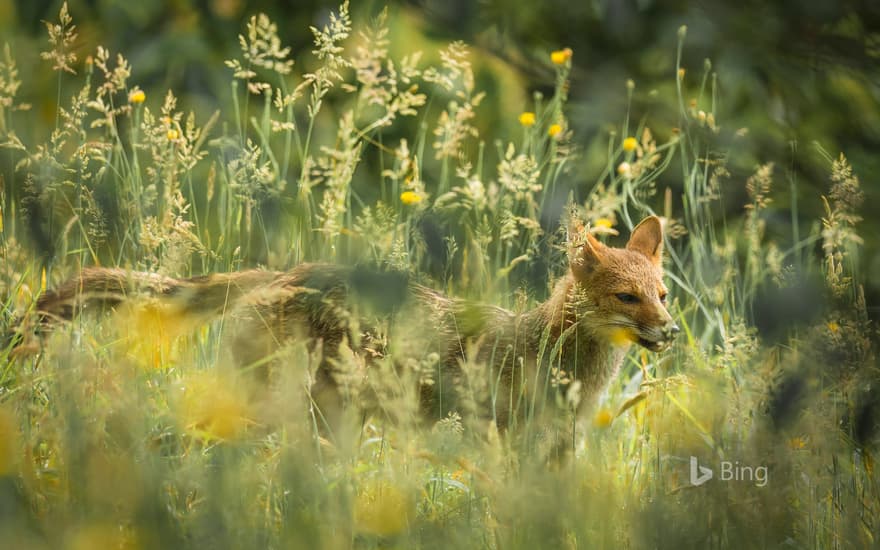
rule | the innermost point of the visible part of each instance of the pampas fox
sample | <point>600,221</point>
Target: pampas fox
<point>608,299</point>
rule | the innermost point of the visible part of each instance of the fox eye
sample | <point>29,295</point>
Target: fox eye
<point>627,298</point>
<point>663,298</point>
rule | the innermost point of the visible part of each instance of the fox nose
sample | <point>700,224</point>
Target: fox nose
<point>670,330</point>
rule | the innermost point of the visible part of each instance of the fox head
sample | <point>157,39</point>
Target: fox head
<point>622,288</point>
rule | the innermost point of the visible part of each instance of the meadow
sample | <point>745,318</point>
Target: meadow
<point>126,430</point>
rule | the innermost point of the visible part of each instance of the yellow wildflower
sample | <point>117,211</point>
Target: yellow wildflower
<point>137,96</point>
<point>833,327</point>
<point>214,407</point>
<point>149,330</point>
<point>797,443</point>
<point>604,223</point>
<point>630,144</point>
<point>527,119</point>
<point>173,134</point>
<point>603,418</point>
<point>410,198</point>
<point>559,57</point>
<point>554,130</point>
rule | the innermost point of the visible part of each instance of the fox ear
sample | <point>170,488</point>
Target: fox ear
<point>584,250</point>
<point>647,238</point>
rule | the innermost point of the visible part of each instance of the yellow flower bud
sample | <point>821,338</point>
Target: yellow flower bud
<point>137,96</point>
<point>410,198</point>
<point>630,144</point>
<point>527,119</point>
<point>173,134</point>
<point>554,130</point>
<point>559,57</point>
<point>604,223</point>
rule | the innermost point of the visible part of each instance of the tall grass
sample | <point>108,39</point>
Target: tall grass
<point>132,430</point>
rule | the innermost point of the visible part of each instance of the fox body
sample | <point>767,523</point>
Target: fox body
<point>608,299</point>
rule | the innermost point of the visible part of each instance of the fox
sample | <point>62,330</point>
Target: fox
<point>608,300</point>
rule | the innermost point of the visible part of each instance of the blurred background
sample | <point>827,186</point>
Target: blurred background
<point>791,76</point>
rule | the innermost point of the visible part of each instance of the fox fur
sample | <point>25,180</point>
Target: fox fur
<point>609,299</point>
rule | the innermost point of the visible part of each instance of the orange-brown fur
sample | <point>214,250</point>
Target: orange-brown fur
<point>580,334</point>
